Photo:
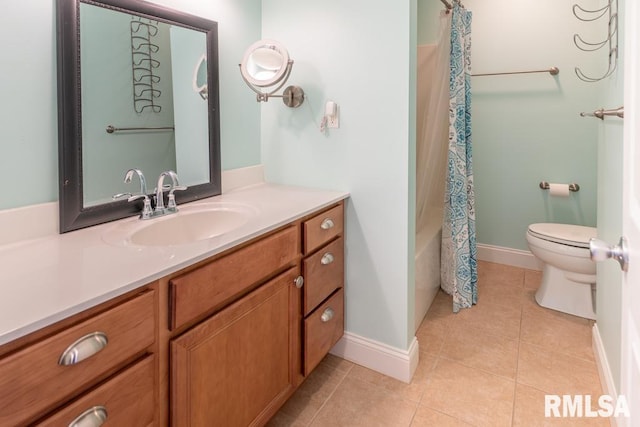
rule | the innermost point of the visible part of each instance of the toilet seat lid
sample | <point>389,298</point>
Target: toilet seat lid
<point>565,234</point>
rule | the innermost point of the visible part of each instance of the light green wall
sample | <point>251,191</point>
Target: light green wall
<point>360,54</point>
<point>526,128</point>
<point>28,101</point>
<point>610,150</point>
<point>190,109</point>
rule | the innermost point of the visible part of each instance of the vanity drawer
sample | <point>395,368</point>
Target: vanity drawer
<point>33,382</point>
<point>322,228</point>
<point>323,273</point>
<point>322,329</point>
<point>215,284</point>
<point>128,399</point>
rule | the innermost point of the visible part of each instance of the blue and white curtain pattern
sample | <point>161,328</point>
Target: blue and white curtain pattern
<point>459,268</point>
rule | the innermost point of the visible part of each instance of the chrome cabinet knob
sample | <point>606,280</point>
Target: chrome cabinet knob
<point>327,224</point>
<point>93,417</point>
<point>601,251</point>
<point>83,348</point>
<point>327,315</point>
<point>298,281</point>
<point>327,258</point>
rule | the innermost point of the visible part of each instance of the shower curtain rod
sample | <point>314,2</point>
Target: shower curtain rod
<point>447,4</point>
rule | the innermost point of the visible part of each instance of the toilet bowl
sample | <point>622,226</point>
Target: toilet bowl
<point>568,274</point>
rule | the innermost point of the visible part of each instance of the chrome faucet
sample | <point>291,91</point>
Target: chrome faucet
<point>160,209</point>
<point>171,203</point>
<point>147,212</point>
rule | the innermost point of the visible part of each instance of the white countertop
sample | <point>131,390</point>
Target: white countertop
<point>47,279</point>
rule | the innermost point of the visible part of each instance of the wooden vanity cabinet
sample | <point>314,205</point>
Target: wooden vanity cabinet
<point>224,342</point>
<point>106,343</point>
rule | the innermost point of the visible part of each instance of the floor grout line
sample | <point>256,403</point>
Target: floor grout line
<point>515,386</point>
<point>315,415</point>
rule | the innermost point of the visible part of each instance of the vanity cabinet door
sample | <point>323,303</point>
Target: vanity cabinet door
<point>240,365</point>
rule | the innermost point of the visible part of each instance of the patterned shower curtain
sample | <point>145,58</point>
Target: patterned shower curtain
<point>459,264</point>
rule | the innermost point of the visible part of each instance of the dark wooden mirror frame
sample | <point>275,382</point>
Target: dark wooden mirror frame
<point>73,214</point>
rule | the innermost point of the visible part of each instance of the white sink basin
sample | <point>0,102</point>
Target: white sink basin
<point>189,224</point>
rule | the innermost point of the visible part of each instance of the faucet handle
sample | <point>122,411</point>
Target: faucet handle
<point>177,188</point>
<point>171,203</point>
<point>147,211</point>
<point>120,196</point>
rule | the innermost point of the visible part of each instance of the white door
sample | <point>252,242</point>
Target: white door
<point>630,315</point>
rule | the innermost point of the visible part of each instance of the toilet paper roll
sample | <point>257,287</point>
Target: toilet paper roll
<point>560,190</point>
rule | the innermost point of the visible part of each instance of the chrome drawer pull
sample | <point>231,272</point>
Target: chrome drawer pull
<point>83,348</point>
<point>327,315</point>
<point>327,258</point>
<point>327,224</point>
<point>93,417</point>
<point>299,281</point>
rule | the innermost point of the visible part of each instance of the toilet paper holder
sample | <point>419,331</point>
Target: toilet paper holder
<point>572,187</point>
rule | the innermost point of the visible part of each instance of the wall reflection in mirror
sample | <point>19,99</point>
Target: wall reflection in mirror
<point>138,73</point>
<point>145,76</point>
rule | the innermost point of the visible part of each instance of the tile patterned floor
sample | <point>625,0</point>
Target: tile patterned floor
<point>487,366</point>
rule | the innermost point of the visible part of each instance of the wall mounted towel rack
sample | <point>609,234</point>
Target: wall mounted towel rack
<point>601,113</point>
<point>553,71</point>
<point>611,39</point>
<point>113,129</point>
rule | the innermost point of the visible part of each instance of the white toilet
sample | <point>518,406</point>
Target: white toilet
<point>568,274</point>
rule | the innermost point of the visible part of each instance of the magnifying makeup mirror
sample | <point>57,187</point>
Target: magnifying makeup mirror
<point>200,77</point>
<point>265,65</point>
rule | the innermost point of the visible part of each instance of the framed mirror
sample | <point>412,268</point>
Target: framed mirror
<point>137,88</point>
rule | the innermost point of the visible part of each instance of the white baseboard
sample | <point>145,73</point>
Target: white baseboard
<point>508,256</point>
<point>390,361</point>
<point>604,371</point>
